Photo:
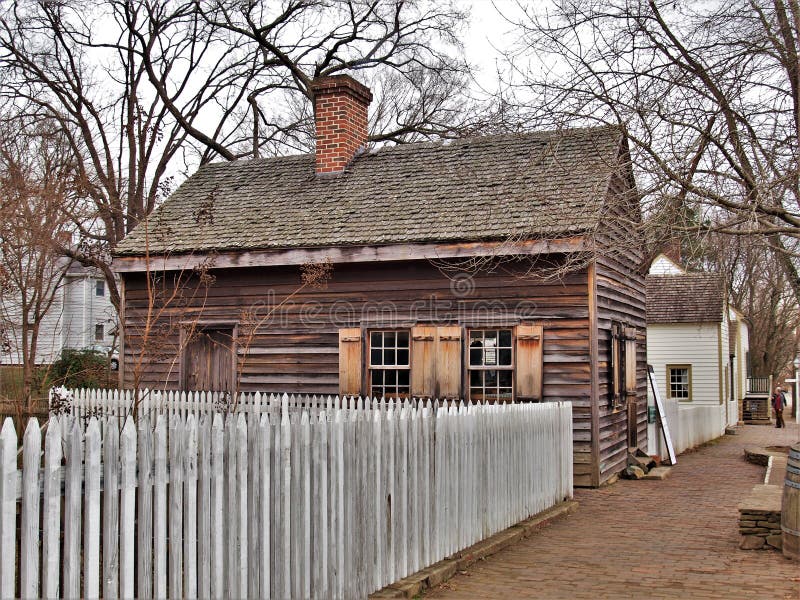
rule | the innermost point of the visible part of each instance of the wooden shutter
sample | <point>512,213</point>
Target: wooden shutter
<point>630,360</point>
<point>448,362</point>
<point>616,366</point>
<point>423,366</point>
<point>350,361</point>
<point>530,339</point>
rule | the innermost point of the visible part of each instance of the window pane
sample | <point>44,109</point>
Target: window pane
<point>377,377</point>
<point>375,339</point>
<point>389,339</point>
<point>402,339</point>
<point>505,357</point>
<point>402,357</point>
<point>505,337</point>
<point>390,377</point>
<point>476,377</point>
<point>490,337</point>
<point>490,378</point>
<point>475,356</point>
<point>375,356</point>
<point>504,378</point>
<point>476,335</point>
<point>389,357</point>
<point>403,377</point>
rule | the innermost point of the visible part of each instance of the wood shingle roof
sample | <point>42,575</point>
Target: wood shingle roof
<point>481,188</point>
<point>685,298</point>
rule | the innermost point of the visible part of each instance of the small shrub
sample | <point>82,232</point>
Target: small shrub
<point>80,369</point>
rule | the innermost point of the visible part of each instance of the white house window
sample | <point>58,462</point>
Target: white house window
<point>679,382</point>
<point>389,364</point>
<point>491,365</point>
<point>98,332</point>
<point>100,288</point>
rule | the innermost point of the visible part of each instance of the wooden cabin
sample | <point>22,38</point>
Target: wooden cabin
<point>489,268</point>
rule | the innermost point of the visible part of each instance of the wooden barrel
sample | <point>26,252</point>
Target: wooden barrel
<point>790,506</point>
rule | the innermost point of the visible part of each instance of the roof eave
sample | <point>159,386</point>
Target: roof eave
<point>347,254</point>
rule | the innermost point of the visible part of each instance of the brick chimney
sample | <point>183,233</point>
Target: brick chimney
<point>340,118</point>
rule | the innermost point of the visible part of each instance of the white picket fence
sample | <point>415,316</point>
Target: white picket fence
<point>691,425</point>
<point>335,505</point>
<point>120,403</point>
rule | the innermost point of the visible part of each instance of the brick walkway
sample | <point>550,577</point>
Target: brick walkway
<point>675,538</point>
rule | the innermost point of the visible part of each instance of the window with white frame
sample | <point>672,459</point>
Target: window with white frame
<point>491,365</point>
<point>99,332</point>
<point>389,364</point>
<point>679,382</point>
<point>99,287</point>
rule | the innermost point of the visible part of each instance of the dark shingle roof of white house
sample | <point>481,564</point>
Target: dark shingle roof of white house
<point>685,298</point>
<point>481,188</point>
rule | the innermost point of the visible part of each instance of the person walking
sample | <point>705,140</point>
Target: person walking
<point>778,404</point>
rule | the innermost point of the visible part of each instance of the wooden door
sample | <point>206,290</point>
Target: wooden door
<point>209,361</point>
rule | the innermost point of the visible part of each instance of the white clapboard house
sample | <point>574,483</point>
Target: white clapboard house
<point>697,344</point>
<point>81,316</point>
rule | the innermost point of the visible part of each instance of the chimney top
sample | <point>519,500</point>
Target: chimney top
<point>340,119</point>
<point>331,84</point>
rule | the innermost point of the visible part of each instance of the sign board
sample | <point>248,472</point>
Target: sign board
<point>662,416</point>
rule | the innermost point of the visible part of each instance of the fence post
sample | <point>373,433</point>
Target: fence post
<point>29,549</point>
<point>8,507</point>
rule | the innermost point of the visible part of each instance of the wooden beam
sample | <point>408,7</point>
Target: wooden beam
<point>346,254</point>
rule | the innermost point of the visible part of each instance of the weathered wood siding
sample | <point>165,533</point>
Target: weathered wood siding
<point>620,298</point>
<point>295,348</point>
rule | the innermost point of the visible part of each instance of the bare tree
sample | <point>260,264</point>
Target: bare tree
<point>144,90</point>
<point>709,94</point>
<point>758,286</point>
<point>36,177</point>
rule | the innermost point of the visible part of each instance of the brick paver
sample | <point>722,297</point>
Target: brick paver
<point>675,538</point>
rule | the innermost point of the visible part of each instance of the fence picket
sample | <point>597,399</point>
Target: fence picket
<point>190,507</point>
<point>91,512</point>
<point>144,498</point>
<point>127,508</point>
<point>51,510</point>
<point>160,507</point>
<point>8,507</point>
<point>175,516</point>
<point>204,506</point>
<point>72,510</point>
<point>239,568</point>
<point>29,549</point>
<point>218,507</point>
<point>263,507</point>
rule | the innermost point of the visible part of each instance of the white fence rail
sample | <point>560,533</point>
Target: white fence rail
<point>334,505</point>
